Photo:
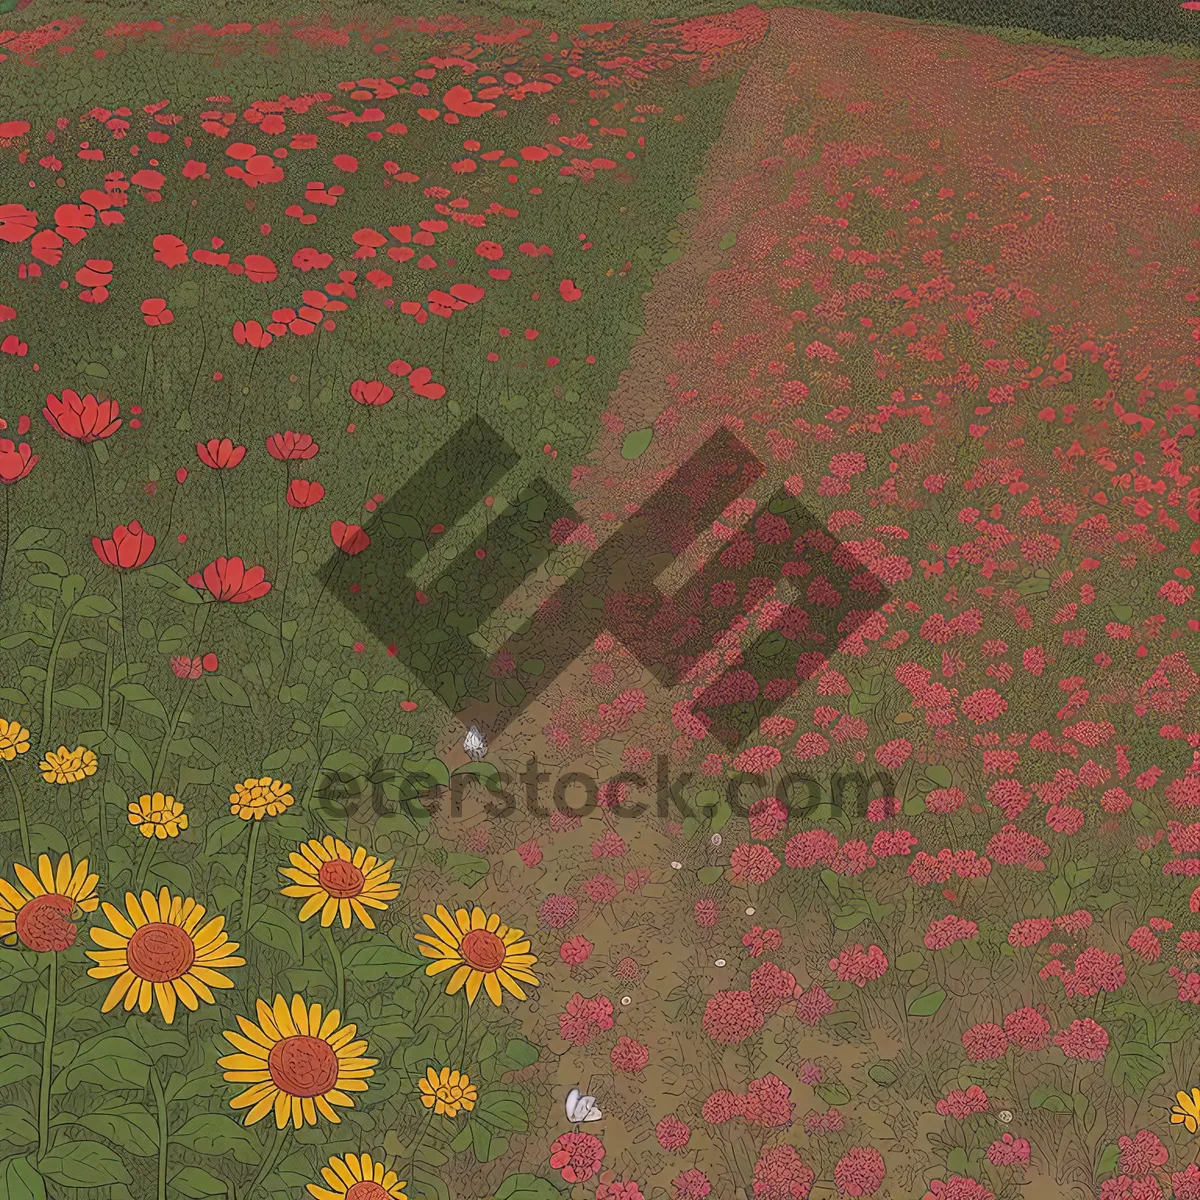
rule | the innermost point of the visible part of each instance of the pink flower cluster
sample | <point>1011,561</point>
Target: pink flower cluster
<point>585,1018</point>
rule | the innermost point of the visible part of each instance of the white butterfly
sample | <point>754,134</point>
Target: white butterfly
<point>582,1108</point>
<point>475,744</point>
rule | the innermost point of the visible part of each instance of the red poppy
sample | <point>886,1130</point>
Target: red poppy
<point>128,547</point>
<point>251,333</point>
<point>16,461</point>
<point>283,446</point>
<point>155,312</point>
<point>231,580</point>
<point>371,391</point>
<point>303,493</point>
<point>83,418</point>
<point>220,453</point>
<point>350,539</point>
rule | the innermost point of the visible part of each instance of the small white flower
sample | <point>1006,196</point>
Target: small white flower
<point>677,865</point>
<point>720,962</point>
<point>1005,1115</point>
<point>715,839</point>
<point>626,999</point>
<point>749,912</point>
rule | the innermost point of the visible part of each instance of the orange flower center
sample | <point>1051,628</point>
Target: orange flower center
<point>42,923</point>
<point>367,1190</point>
<point>341,879</point>
<point>160,953</point>
<point>303,1066</point>
<point>483,950</point>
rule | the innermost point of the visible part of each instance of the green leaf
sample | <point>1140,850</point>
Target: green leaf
<point>107,1061</point>
<point>427,769</point>
<point>277,929</point>
<point>83,1164</point>
<point>143,699</point>
<point>94,606</point>
<point>519,1054</point>
<point>22,1181</point>
<point>911,961</point>
<point>223,833</point>
<point>467,869</point>
<point>833,1094</point>
<point>173,584</point>
<point>195,1183</point>
<point>23,1027</point>
<point>926,1003</point>
<point>1106,1164</point>
<point>728,241</point>
<point>1137,1065</point>
<point>131,1126</point>
<point>17,1125</point>
<point>158,1043</point>
<point>527,1187</point>
<point>226,691</point>
<point>710,874</point>
<point>636,443</point>
<point>503,1110</point>
<point>401,525</point>
<point>370,961</point>
<point>215,1133</point>
<point>883,1073</point>
<point>77,696</point>
<point>28,538</point>
<point>15,1068</point>
<point>1049,1099</point>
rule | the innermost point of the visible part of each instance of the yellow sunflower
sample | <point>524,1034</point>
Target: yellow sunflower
<point>1187,1110</point>
<point>258,798</point>
<point>481,951</point>
<point>329,878</point>
<point>42,911</point>
<point>298,1062</point>
<point>14,739</point>
<point>68,766</point>
<point>447,1092</point>
<point>162,952</point>
<point>358,1177</point>
<point>158,815</point>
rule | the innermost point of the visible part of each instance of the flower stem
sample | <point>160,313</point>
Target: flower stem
<point>51,664</point>
<point>144,865</point>
<point>248,881</point>
<point>22,820</point>
<point>47,1051</point>
<point>102,821</point>
<point>268,1163</point>
<point>338,973</point>
<point>160,1101</point>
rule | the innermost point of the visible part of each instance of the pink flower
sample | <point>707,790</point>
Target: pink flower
<point>575,951</point>
<point>721,1107</point>
<point>781,1174</point>
<point>1142,1154</point>
<point>858,966</point>
<point>672,1133</point>
<point>1008,1151</point>
<point>691,1185</point>
<point>813,1005</point>
<point>1027,1029</point>
<point>731,1017</point>
<point>530,852</point>
<point>616,1190</point>
<point>585,1018</point>
<point>767,818</point>
<point>984,1042</point>
<point>1030,932</point>
<point>559,910</point>
<point>752,863</point>
<point>771,987</point>
<point>705,913</point>
<point>961,1104</point>
<point>629,1056</point>
<point>859,1172</point>
<point>577,1156</point>
<point>1083,1039</point>
<point>768,1102</point>
<point>949,930</point>
<point>958,1187</point>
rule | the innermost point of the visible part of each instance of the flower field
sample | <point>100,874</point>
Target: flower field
<point>838,840</point>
